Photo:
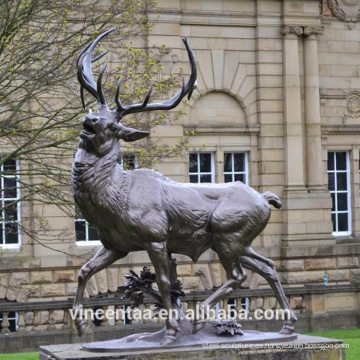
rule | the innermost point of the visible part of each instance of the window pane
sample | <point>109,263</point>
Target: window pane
<point>10,211</point>
<point>128,162</point>
<point>205,162</point>
<point>193,166</point>
<point>227,162</point>
<point>330,161</point>
<point>1,234</point>
<point>194,179</point>
<point>239,162</point>
<point>205,178</point>
<point>343,222</point>
<point>11,233</point>
<point>341,181</point>
<point>342,202</point>
<point>9,188</point>
<point>12,325</point>
<point>10,167</point>
<point>331,177</point>
<point>80,230</point>
<point>240,177</point>
<point>93,234</point>
<point>228,178</point>
<point>341,161</point>
<point>333,218</point>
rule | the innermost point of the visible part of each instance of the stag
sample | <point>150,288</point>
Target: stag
<point>143,210</point>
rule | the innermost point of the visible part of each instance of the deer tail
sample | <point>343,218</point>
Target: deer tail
<point>272,199</point>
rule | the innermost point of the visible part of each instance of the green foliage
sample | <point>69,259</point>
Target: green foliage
<point>349,336</point>
<point>23,356</point>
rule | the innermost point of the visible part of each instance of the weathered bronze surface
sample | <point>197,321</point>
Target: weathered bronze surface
<point>143,210</point>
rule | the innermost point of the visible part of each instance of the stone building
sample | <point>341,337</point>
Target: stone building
<point>278,107</point>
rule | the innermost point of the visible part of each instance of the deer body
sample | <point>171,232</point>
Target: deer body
<point>143,210</point>
<point>132,209</point>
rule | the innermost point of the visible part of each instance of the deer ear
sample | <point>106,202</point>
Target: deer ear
<point>130,134</point>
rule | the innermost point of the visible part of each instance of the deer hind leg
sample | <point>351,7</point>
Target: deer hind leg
<point>173,270</point>
<point>249,252</point>
<point>235,274</point>
<point>164,270</point>
<point>270,275</point>
<point>100,261</point>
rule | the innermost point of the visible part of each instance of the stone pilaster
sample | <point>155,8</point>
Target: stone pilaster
<point>307,215</point>
<point>294,150</point>
<point>312,109</point>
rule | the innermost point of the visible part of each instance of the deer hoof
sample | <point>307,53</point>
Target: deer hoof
<point>168,340</point>
<point>80,326</point>
<point>287,329</point>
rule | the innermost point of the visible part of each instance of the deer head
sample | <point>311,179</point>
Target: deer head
<point>103,128</point>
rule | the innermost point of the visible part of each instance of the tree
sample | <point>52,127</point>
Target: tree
<point>40,106</point>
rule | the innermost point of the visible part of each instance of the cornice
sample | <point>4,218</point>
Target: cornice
<point>245,129</point>
<point>343,129</point>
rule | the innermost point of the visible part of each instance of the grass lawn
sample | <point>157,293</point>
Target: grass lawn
<point>351,337</point>
<point>24,356</point>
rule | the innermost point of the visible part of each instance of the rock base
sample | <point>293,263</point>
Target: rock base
<point>303,348</point>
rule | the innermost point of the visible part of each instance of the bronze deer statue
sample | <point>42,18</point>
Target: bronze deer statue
<point>143,210</point>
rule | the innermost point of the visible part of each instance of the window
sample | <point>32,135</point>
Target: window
<point>236,167</point>
<point>201,168</point>
<point>13,320</point>
<point>84,232</point>
<point>128,162</point>
<point>10,205</point>
<point>339,187</point>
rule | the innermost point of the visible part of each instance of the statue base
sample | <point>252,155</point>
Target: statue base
<point>252,345</point>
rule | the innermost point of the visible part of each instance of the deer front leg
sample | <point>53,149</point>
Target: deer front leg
<point>102,259</point>
<point>270,275</point>
<point>161,261</point>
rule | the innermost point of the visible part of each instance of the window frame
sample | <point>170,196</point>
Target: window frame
<point>85,242</point>
<point>335,191</point>
<point>86,225</point>
<point>198,173</point>
<point>18,206</point>
<point>233,172</point>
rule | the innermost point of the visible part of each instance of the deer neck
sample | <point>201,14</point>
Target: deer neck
<point>94,173</point>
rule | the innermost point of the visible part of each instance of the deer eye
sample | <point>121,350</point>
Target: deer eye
<point>113,127</point>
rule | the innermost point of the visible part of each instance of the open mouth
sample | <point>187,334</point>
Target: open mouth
<point>88,130</point>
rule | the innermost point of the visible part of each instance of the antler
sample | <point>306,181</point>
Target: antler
<point>166,105</point>
<point>87,82</point>
<point>84,72</point>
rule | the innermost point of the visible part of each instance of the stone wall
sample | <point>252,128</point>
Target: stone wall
<point>24,285</point>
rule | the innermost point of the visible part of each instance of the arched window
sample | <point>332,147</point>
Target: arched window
<point>219,149</point>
